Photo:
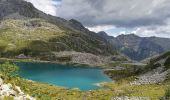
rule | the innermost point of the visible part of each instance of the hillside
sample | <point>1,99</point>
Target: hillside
<point>139,48</point>
<point>21,9</point>
<point>131,82</point>
<point>28,35</point>
<point>26,30</point>
<point>151,81</point>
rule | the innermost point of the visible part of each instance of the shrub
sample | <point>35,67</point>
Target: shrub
<point>163,56</point>
<point>64,59</point>
<point>167,94</point>
<point>167,63</point>
<point>8,70</point>
<point>151,66</point>
<point>8,98</point>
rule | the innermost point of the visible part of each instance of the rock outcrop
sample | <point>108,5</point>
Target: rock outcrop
<point>86,58</point>
<point>138,48</point>
<point>157,71</point>
<point>32,32</point>
<point>130,98</point>
<point>7,90</point>
<point>152,77</point>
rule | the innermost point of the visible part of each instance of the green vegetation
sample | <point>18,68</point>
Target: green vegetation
<point>167,63</point>
<point>154,62</point>
<point>151,66</point>
<point>64,59</point>
<point>128,73</point>
<point>125,71</point>
<point>18,36</point>
<point>8,71</point>
<point>48,92</point>
<point>167,94</point>
<point>163,56</point>
<point>40,39</point>
<point>8,98</point>
<point>124,88</point>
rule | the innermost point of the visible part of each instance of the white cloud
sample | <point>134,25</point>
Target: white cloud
<point>47,6</point>
<point>120,13</point>
<point>158,31</point>
<point>101,28</point>
<point>141,17</point>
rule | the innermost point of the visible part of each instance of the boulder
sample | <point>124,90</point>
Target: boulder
<point>5,87</point>
<point>1,81</point>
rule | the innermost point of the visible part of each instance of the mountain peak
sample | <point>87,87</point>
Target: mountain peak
<point>76,24</point>
<point>20,9</point>
<point>62,35</point>
<point>128,35</point>
<point>104,35</point>
<point>17,8</point>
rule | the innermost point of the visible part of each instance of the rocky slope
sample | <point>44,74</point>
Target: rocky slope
<point>26,30</point>
<point>86,58</point>
<point>157,70</point>
<point>10,92</point>
<point>147,82</point>
<point>138,48</point>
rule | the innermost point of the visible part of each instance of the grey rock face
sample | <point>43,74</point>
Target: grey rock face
<point>157,72</point>
<point>152,77</point>
<point>84,58</point>
<point>9,7</point>
<point>139,48</point>
<point>9,90</point>
<point>130,98</point>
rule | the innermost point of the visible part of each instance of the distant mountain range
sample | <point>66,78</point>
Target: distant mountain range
<point>138,48</point>
<point>26,30</point>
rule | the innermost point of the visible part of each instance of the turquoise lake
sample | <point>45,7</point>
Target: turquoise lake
<point>67,76</point>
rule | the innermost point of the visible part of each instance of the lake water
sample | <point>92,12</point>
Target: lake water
<point>63,75</point>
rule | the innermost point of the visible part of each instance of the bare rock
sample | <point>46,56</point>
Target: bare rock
<point>130,98</point>
<point>1,81</point>
<point>152,77</point>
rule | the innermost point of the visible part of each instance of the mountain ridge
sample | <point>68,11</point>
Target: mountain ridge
<point>139,48</point>
<point>26,30</point>
<point>21,9</point>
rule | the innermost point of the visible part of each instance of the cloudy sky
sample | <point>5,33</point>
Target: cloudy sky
<point>141,17</point>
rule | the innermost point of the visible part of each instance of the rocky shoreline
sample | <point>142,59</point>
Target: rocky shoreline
<point>72,57</point>
<point>7,90</point>
<point>130,98</point>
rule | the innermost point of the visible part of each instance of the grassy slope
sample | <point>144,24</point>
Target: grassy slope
<point>48,92</point>
<point>37,37</point>
<point>123,87</point>
<point>154,62</point>
<point>18,34</point>
<point>153,91</point>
